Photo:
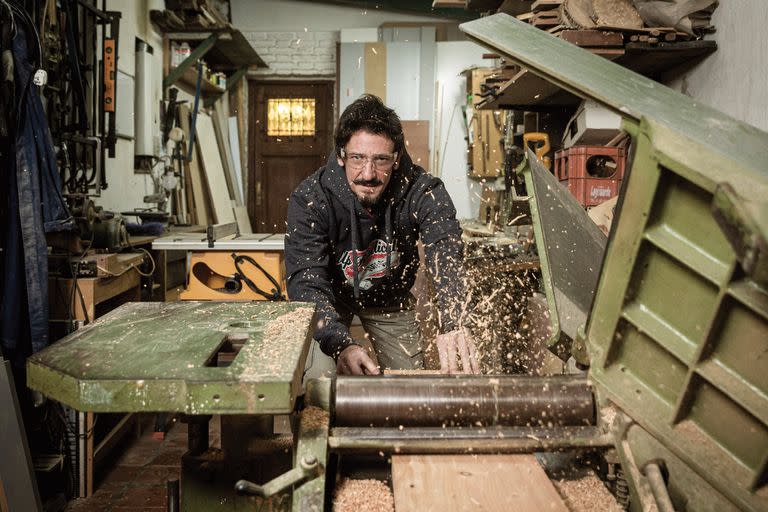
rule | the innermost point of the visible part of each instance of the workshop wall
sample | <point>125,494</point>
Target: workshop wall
<point>734,79</point>
<point>127,188</point>
<point>294,16</point>
<point>311,53</point>
<point>452,57</point>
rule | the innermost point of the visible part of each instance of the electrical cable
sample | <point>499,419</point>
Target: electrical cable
<point>276,295</point>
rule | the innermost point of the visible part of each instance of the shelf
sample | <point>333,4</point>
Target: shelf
<point>527,91</point>
<point>189,78</point>
<point>224,51</point>
<point>653,59</point>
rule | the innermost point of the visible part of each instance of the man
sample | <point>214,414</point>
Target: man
<point>350,248</point>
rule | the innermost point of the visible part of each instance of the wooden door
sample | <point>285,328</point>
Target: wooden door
<point>279,157</point>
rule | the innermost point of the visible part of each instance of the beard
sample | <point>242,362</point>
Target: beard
<point>368,201</point>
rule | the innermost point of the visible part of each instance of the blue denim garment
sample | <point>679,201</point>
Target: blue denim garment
<point>35,207</point>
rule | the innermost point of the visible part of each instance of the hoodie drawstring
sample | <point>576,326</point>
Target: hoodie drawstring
<point>355,270</point>
<point>388,237</point>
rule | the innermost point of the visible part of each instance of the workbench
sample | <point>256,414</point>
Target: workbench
<point>95,291</point>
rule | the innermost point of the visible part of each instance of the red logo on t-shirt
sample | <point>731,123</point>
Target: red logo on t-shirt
<point>371,264</point>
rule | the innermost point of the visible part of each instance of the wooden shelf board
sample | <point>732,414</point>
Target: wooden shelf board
<point>189,78</point>
<point>528,92</point>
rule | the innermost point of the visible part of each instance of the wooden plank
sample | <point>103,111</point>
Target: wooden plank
<point>213,171</point>
<point>200,203</point>
<point>221,128</point>
<point>417,141</point>
<point>471,482</point>
<point>223,149</point>
<point>592,37</point>
<point>243,221</point>
<point>541,5</point>
<point>375,58</point>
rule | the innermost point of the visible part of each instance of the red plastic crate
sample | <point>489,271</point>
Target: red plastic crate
<point>592,174</point>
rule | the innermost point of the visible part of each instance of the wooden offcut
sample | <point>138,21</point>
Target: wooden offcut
<point>500,483</point>
<point>214,171</point>
<point>200,202</point>
<point>417,141</point>
<point>375,63</point>
<point>592,38</point>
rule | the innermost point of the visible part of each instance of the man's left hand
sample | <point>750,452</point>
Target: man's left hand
<point>455,345</point>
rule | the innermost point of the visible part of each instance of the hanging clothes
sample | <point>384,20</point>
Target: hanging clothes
<point>33,204</point>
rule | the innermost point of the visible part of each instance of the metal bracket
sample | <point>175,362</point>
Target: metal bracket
<point>307,469</point>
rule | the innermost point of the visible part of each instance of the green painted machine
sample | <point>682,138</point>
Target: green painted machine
<point>671,318</point>
<point>676,334</point>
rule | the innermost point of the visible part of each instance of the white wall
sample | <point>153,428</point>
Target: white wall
<point>452,57</point>
<point>293,15</point>
<point>126,189</point>
<point>734,79</point>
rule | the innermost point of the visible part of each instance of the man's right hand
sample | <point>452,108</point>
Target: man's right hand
<point>354,360</point>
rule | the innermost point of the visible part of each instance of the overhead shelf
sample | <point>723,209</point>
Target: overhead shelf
<point>189,78</point>
<point>527,91</point>
<point>224,51</point>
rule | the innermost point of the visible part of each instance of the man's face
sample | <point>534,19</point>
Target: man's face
<point>369,161</point>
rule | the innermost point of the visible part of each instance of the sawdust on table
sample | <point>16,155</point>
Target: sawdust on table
<point>279,333</point>
<point>363,495</point>
<point>586,494</point>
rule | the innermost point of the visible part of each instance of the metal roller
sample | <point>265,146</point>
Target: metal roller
<point>463,401</point>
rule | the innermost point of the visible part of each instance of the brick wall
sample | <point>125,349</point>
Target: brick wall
<point>296,53</point>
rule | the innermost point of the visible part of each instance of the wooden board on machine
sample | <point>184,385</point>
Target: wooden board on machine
<point>472,482</point>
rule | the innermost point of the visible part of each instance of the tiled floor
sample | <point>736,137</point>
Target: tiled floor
<point>136,481</point>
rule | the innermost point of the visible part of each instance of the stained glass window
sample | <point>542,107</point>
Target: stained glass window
<point>290,116</point>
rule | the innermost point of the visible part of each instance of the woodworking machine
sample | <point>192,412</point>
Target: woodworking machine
<point>244,361</point>
<point>673,324</point>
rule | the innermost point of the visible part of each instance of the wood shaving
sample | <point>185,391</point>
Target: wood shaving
<point>279,335</point>
<point>587,494</point>
<point>314,417</point>
<point>358,495</point>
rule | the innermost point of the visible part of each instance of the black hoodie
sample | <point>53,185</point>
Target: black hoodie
<point>327,225</point>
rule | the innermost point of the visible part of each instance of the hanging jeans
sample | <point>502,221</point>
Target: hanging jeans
<point>34,207</point>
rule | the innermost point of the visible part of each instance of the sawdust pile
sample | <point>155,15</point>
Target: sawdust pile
<point>314,417</point>
<point>279,336</point>
<point>363,495</point>
<point>587,494</point>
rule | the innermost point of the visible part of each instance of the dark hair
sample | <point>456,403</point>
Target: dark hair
<point>369,113</point>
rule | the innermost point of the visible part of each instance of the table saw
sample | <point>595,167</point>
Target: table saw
<point>673,329</point>
<point>224,265</point>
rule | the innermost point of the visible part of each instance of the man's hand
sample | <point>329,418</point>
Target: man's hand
<point>457,343</point>
<point>354,360</point>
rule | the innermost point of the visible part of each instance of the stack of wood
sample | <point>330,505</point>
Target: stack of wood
<point>618,17</point>
<point>544,14</point>
<point>212,185</point>
<point>191,15</point>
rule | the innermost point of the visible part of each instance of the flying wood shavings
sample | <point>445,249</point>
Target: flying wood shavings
<point>358,495</point>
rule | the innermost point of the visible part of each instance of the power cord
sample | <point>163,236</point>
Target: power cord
<point>275,295</point>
